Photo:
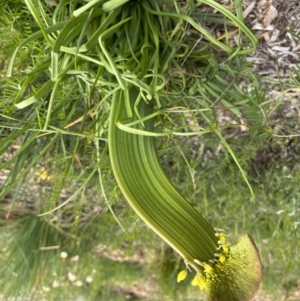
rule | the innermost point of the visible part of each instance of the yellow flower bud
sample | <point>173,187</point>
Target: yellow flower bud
<point>199,280</point>
<point>202,282</point>
<point>195,280</point>
<point>208,268</point>
<point>222,239</point>
<point>222,257</point>
<point>181,275</point>
<point>225,249</point>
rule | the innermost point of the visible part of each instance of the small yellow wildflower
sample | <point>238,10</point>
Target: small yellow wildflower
<point>44,175</point>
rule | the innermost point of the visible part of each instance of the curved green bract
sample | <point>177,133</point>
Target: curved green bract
<point>150,193</point>
<point>226,273</point>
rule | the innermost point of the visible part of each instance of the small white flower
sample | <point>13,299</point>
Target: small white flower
<point>78,283</point>
<point>55,284</point>
<point>71,277</point>
<point>63,255</point>
<point>46,289</point>
<point>89,279</point>
<point>75,258</point>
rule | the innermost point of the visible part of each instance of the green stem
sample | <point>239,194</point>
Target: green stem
<point>150,193</point>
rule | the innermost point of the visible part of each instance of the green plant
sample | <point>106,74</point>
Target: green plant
<point>98,55</point>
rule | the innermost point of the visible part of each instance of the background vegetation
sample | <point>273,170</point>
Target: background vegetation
<point>67,168</point>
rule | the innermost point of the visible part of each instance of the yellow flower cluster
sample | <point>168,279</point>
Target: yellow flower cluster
<point>208,268</point>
